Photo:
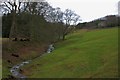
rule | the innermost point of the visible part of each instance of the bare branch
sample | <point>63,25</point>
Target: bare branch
<point>19,6</point>
<point>7,6</point>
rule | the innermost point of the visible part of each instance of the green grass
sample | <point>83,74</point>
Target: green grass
<point>0,69</point>
<point>0,58</point>
<point>82,55</point>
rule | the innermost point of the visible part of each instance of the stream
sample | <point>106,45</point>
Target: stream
<point>15,70</point>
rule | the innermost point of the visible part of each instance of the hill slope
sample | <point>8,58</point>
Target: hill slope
<point>83,55</point>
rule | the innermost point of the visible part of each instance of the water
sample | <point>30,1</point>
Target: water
<point>15,69</point>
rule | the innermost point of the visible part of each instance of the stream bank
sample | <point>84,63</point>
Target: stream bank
<point>15,70</point>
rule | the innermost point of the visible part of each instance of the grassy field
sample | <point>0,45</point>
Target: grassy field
<point>0,58</point>
<point>0,68</point>
<point>91,54</point>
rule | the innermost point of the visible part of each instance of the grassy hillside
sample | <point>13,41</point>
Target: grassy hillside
<point>83,55</point>
<point>0,57</point>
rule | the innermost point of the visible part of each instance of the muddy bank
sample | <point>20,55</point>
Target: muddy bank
<point>15,70</point>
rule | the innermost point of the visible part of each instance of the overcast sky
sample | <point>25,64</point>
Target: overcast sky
<point>88,9</point>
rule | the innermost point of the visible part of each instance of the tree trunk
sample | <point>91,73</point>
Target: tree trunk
<point>63,37</point>
<point>13,31</point>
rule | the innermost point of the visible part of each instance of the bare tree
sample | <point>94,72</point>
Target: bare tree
<point>69,18</point>
<point>13,31</point>
<point>12,7</point>
<point>54,15</point>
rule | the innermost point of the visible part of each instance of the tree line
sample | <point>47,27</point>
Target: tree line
<point>36,21</point>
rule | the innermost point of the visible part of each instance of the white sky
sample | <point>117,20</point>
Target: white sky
<point>88,9</point>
